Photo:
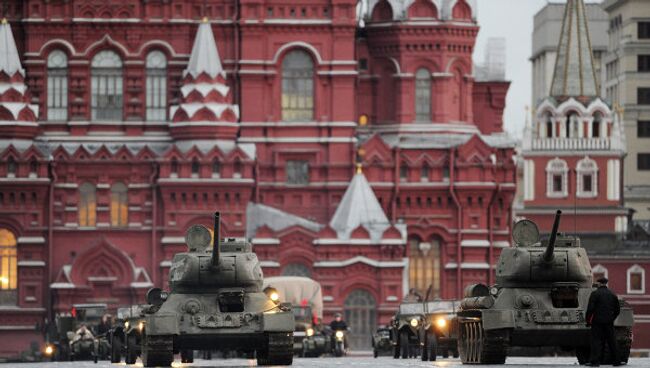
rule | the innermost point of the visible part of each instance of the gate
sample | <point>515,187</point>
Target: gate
<point>361,316</point>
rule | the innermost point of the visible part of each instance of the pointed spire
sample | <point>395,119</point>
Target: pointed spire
<point>359,207</point>
<point>9,60</point>
<point>205,56</point>
<point>574,74</point>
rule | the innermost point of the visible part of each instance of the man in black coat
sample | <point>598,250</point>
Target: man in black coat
<point>602,311</point>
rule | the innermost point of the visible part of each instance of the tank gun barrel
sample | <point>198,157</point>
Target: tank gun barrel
<point>216,238</point>
<point>548,254</point>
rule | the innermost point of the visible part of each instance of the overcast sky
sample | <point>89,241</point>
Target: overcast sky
<point>512,19</point>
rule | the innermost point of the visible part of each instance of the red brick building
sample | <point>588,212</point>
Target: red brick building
<point>123,122</point>
<point>572,156</point>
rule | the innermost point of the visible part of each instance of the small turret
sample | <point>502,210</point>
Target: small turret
<point>216,239</point>
<point>550,248</point>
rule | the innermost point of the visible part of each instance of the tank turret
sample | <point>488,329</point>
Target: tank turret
<point>540,297</point>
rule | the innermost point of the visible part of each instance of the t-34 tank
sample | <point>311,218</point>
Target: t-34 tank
<point>540,298</point>
<point>216,303</point>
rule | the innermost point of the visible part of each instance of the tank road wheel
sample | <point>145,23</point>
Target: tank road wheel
<point>623,344</point>
<point>116,349</point>
<point>187,356</point>
<point>478,346</point>
<point>157,351</point>
<point>278,350</point>
<point>404,343</point>
<point>131,349</point>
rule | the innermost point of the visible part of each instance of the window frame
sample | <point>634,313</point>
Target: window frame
<point>643,63</point>
<point>156,87</point>
<point>57,86</point>
<point>587,167</point>
<point>635,269</point>
<point>551,171</point>
<point>300,177</point>
<point>643,96</point>
<point>643,129</point>
<point>599,269</point>
<point>643,30</point>
<point>110,74</point>
<point>297,83</point>
<point>85,206</point>
<point>423,108</point>
<point>119,218</point>
<point>643,161</point>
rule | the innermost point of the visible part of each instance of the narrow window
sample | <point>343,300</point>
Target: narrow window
<point>297,87</point>
<point>643,63</point>
<point>643,129</point>
<point>11,167</point>
<point>549,126</point>
<point>87,205</point>
<point>297,172</point>
<point>119,205</point>
<point>424,174</point>
<point>216,169</point>
<point>422,95</point>
<point>587,183</point>
<point>106,87</point>
<point>174,167</point>
<point>644,30</point>
<point>403,172</point>
<point>595,125</point>
<point>8,268</point>
<point>643,161</point>
<point>156,86</point>
<point>57,86</point>
<point>195,168</point>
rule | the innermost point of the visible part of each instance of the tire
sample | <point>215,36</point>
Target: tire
<point>432,347</point>
<point>116,349</point>
<point>131,349</point>
<point>404,343</point>
<point>162,356</point>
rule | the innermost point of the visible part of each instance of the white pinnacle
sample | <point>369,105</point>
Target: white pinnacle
<point>205,56</point>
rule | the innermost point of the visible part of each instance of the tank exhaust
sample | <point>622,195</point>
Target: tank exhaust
<point>548,254</point>
<point>216,239</point>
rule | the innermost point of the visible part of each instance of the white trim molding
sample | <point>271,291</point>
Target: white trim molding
<point>635,269</point>
<point>587,167</point>
<point>599,269</point>
<point>360,259</point>
<point>557,166</point>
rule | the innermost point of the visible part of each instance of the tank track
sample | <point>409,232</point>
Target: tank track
<point>278,350</point>
<point>157,351</point>
<point>478,346</point>
<point>623,342</point>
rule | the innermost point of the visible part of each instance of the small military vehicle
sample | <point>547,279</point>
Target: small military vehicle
<point>541,294</point>
<point>382,342</point>
<point>126,335</point>
<point>216,302</point>
<point>425,329</point>
<point>62,334</point>
<point>306,298</point>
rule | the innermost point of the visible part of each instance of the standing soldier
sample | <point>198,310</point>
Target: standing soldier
<point>602,311</point>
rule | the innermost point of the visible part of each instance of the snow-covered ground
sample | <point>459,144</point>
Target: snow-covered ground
<point>381,362</point>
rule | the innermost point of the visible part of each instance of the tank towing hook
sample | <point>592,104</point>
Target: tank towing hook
<point>216,238</point>
<point>548,253</point>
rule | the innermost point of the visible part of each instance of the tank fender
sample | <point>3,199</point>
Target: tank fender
<point>278,322</point>
<point>479,302</point>
<point>162,324</point>
<point>624,319</point>
<point>498,319</point>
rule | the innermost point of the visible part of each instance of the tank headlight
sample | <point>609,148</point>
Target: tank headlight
<point>126,324</point>
<point>310,332</point>
<point>49,350</point>
<point>339,335</point>
<point>272,293</point>
<point>414,322</point>
<point>275,297</point>
<point>441,322</point>
<point>141,326</point>
<point>494,291</point>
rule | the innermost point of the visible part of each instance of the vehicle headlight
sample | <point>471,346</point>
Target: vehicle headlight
<point>126,324</point>
<point>310,332</point>
<point>441,322</point>
<point>49,350</point>
<point>414,322</point>
<point>141,326</point>
<point>339,334</point>
<point>272,293</point>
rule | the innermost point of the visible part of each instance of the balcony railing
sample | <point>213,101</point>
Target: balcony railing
<point>576,144</point>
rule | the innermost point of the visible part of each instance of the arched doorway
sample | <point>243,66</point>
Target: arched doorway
<point>361,316</point>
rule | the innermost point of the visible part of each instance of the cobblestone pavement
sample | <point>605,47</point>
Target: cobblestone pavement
<point>354,361</point>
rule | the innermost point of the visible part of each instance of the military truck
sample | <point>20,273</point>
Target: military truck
<point>381,342</point>
<point>216,301</point>
<point>306,298</point>
<point>60,338</point>
<point>540,298</point>
<point>126,335</point>
<point>424,329</point>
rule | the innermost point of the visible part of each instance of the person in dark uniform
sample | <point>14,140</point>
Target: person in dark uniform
<point>338,324</point>
<point>602,310</point>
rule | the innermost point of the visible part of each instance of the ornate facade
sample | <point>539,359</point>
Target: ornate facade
<point>122,122</point>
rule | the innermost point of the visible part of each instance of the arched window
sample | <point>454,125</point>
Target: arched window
<point>8,267</point>
<point>106,85</point>
<point>598,272</point>
<point>422,95</point>
<point>33,168</point>
<point>587,171</point>
<point>424,265</point>
<point>596,124</point>
<point>11,167</point>
<point>156,86</point>
<point>196,167</point>
<point>556,174</point>
<point>636,280</point>
<point>549,130</point>
<point>297,87</point>
<point>403,172</point>
<point>57,86</point>
<point>216,168</point>
<point>87,205</point>
<point>236,169</point>
<point>361,312</point>
<point>174,168</point>
<point>296,269</point>
<point>572,125</point>
<point>119,205</point>
<point>461,10</point>
<point>425,172</point>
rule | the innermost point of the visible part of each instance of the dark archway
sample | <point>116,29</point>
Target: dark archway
<point>361,316</point>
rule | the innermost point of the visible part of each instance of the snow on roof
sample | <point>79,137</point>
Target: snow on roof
<point>445,140</point>
<point>205,56</point>
<point>9,60</point>
<point>258,215</point>
<point>359,207</point>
